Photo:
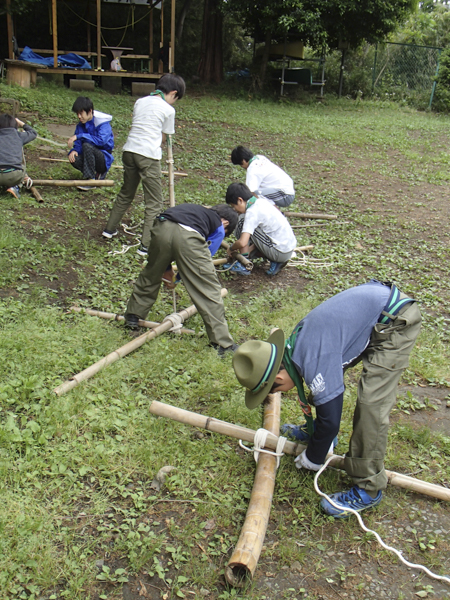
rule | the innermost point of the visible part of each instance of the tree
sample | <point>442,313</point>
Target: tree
<point>321,23</point>
<point>210,69</point>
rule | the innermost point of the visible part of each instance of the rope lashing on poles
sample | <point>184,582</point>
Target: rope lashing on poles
<point>176,320</point>
<point>259,443</point>
<point>367,530</point>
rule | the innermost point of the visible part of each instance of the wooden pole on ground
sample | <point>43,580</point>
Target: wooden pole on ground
<point>127,348</point>
<point>242,259</point>
<point>75,182</point>
<point>300,215</point>
<point>65,160</point>
<point>36,194</point>
<point>243,561</point>
<point>115,317</point>
<point>248,435</point>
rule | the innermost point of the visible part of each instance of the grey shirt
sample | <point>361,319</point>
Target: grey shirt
<point>334,334</point>
<point>11,143</point>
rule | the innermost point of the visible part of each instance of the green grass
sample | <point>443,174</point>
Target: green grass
<point>76,470</point>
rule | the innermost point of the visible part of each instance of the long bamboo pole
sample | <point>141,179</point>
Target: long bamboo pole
<point>55,34</point>
<point>242,259</point>
<point>115,317</point>
<point>243,561</point>
<point>124,350</point>
<point>64,160</point>
<point>99,35</point>
<point>248,435</point>
<point>170,163</point>
<point>75,182</point>
<point>300,215</point>
<point>9,29</point>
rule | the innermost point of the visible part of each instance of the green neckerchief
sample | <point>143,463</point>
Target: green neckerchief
<point>158,93</point>
<point>250,202</point>
<point>294,375</point>
<point>251,160</point>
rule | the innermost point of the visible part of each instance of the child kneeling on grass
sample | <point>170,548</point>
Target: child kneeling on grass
<point>92,143</point>
<point>187,234</point>
<point>12,159</point>
<point>262,230</point>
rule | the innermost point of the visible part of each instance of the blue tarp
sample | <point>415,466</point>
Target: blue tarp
<point>71,61</point>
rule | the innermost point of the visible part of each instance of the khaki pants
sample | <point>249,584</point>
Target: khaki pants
<point>384,360</point>
<point>190,251</point>
<point>138,168</point>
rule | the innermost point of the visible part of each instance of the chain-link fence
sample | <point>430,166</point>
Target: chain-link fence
<point>405,70</point>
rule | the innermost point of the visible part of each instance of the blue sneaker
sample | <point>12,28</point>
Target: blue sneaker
<point>14,190</point>
<point>355,498</point>
<point>236,268</point>
<point>299,433</point>
<point>275,267</point>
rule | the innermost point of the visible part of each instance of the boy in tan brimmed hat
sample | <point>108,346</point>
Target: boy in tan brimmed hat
<point>373,323</point>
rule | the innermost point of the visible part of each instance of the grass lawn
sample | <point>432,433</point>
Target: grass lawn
<point>81,517</point>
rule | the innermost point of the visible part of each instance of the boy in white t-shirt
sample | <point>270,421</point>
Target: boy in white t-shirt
<point>153,118</point>
<point>264,178</point>
<point>262,228</point>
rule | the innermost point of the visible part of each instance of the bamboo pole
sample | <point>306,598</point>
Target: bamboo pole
<point>319,224</point>
<point>64,160</point>
<point>172,39</point>
<point>170,163</point>
<point>248,435</point>
<point>304,248</point>
<point>9,29</point>
<point>124,350</point>
<point>36,194</point>
<point>243,562</point>
<point>99,35</point>
<point>75,182</point>
<point>115,317</point>
<point>242,259</point>
<point>300,215</point>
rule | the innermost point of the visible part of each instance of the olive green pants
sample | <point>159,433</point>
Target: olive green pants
<point>138,168</point>
<point>190,251</point>
<point>384,360</point>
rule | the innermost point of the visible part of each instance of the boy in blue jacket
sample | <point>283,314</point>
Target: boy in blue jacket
<point>93,141</point>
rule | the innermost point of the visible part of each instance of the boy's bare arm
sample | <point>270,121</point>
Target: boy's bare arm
<point>240,245</point>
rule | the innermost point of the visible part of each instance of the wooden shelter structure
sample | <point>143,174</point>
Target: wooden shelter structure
<point>95,52</point>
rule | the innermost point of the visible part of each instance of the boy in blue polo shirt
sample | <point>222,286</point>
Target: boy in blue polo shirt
<point>373,323</point>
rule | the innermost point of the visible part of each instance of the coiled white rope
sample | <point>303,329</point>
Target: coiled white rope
<point>361,523</point>
<point>307,261</point>
<point>125,247</point>
<point>259,443</point>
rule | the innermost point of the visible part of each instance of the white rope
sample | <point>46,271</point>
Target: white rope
<point>361,522</point>
<point>259,443</point>
<point>177,321</point>
<point>307,261</point>
<point>127,228</point>
<point>124,250</point>
<point>227,269</point>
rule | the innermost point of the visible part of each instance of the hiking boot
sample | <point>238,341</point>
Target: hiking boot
<point>131,321</point>
<point>221,351</point>
<point>275,267</point>
<point>109,234</point>
<point>142,250</point>
<point>236,268</point>
<point>14,190</point>
<point>355,498</point>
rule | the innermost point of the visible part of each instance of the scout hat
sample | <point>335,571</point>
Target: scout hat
<point>256,365</point>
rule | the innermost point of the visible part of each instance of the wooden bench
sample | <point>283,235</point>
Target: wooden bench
<point>20,72</point>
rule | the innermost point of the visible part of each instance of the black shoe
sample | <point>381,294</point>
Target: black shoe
<point>109,234</point>
<point>142,250</point>
<point>221,350</point>
<point>131,321</point>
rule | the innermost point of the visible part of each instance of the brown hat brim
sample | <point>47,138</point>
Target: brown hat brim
<point>252,400</point>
